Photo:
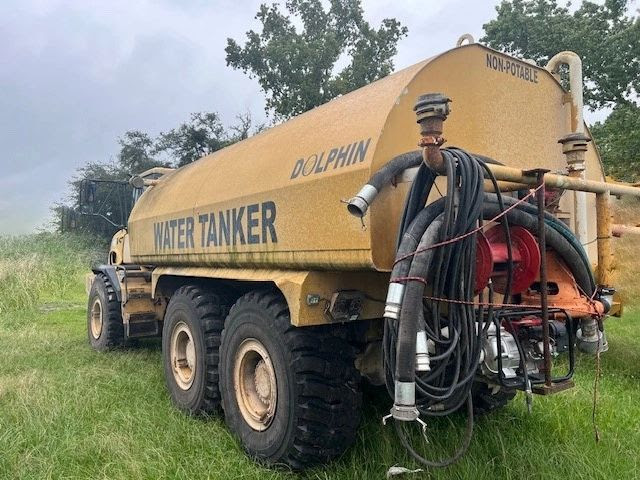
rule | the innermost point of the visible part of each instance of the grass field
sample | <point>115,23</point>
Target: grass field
<point>69,412</point>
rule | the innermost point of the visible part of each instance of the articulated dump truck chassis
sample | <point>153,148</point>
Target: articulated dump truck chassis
<point>286,270</point>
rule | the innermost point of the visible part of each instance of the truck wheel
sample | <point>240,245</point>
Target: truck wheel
<point>104,316</point>
<point>190,348</point>
<point>484,401</point>
<point>291,395</point>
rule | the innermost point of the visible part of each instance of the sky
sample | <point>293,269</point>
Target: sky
<point>76,75</point>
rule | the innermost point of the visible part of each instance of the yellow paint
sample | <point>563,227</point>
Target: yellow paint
<point>511,119</point>
<point>296,285</point>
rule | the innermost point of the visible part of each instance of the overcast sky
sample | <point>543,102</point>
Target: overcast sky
<point>75,75</point>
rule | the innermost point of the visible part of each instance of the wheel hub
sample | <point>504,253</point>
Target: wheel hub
<point>96,318</point>
<point>183,355</point>
<point>262,383</point>
<point>255,384</point>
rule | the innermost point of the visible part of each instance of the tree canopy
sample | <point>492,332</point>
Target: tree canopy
<point>618,139</point>
<point>605,36</point>
<point>299,68</point>
<point>607,39</point>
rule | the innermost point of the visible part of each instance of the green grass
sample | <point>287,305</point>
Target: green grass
<point>69,412</point>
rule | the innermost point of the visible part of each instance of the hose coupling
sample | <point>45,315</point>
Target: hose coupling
<point>589,338</point>
<point>432,105</point>
<point>359,204</point>
<point>393,303</point>
<point>423,363</point>
<point>432,110</point>
<point>404,404</point>
<point>605,295</point>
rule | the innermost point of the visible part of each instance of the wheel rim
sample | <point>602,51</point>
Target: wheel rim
<point>255,384</point>
<point>96,318</point>
<point>183,355</point>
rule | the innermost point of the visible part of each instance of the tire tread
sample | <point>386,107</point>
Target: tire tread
<point>327,398</point>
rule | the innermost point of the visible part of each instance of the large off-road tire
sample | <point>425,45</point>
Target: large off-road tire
<point>485,401</point>
<point>190,347</point>
<point>104,316</point>
<point>291,395</point>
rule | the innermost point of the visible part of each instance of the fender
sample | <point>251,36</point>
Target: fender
<point>110,272</point>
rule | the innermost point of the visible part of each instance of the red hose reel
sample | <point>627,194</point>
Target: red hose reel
<point>492,256</point>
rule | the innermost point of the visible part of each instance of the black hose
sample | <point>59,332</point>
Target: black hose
<point>394,167</point>
<point>450,271</point>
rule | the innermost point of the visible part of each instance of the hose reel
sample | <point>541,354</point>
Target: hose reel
<point>493,257</point>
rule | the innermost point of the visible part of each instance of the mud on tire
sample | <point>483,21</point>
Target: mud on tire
<point>317,406</point>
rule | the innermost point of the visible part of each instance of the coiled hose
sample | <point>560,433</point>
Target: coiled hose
<point>454,326</point>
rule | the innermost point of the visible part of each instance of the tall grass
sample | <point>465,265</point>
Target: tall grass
<point>43,267</point>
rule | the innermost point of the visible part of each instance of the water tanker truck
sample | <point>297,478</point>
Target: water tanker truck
<point>352,244</point>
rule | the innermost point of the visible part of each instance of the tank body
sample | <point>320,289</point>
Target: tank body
<point>276,200</point>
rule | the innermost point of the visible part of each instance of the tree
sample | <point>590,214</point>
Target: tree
<point>618,139</point>
<point>296,69</point>
<point>203,134</point>
<point>608,41</point>
<point>603,35</point>
<point>136,152</point>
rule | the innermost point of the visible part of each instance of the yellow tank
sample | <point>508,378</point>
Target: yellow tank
<point>276,200</point>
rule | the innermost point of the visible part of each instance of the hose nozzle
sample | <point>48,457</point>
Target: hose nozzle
<point>358,205</point>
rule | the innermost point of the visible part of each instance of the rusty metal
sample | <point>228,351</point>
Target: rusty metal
<point>430,141</point>
<point>432,110</point>
<point>564,292</point>
<point>552,388</point>
<point>544,302</point>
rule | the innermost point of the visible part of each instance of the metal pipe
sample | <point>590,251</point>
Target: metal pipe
<point>410,173</point>
<point>517,179</point>
<point>603,221</point>
<point>544,303</point>
<point>510,174</point>
<point>574,62</point>
<point>575,156</point>
<point>574,147</point>
<point>617,230</point>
